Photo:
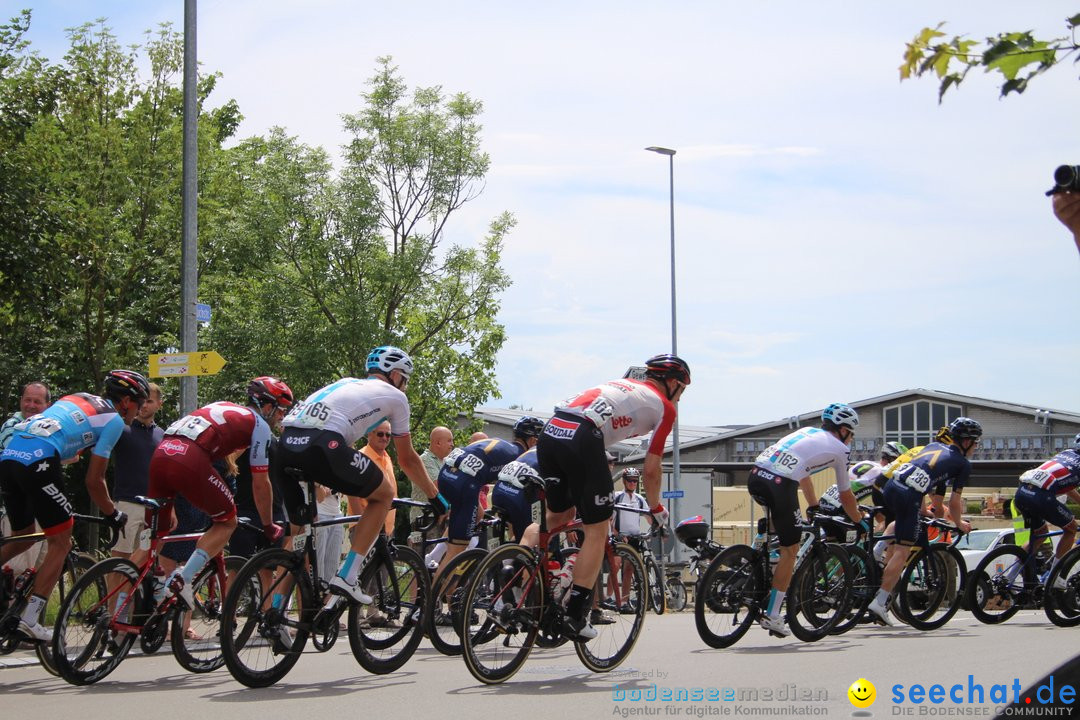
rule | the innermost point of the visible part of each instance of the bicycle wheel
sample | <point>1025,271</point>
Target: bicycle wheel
<point>998,583</point>
<point>864,585</point>
<point>676,594</point>
<point>84,647</point>
<point>74,568</point>
<point>929,590</point>
<point>443,615</point>
<point>506,592</point>
<point>265,618</point>
<point>617,632</point>
<point>819,593</point>
<point>728,596</point>
<point>196,633</point>
<point>384,635</point>
<point>1062,599</point>
<point>657,594</point>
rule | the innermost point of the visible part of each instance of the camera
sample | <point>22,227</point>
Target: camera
<point>1066,179</point>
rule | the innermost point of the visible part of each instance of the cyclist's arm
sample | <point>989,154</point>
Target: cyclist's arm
<point>651,476</point>
<point>95,484</point>
<point>263,494</point>
<point>851,505</point>
<point>808,491</point>
<point>1074,496</point>
<point>956,511</point>
<point>410,462</point>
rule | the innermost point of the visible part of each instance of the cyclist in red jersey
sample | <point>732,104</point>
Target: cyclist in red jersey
<point>182,463</point>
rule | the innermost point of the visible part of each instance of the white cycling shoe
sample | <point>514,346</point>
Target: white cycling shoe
<point>339,586</point>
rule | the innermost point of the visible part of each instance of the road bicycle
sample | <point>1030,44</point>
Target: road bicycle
<point>657,590</point>
<point>264,631</point>
<point>514,601</point>
<point>735,588</point>
<point>117,602</point>
<point>1062,603</point>
<point>15,591</point>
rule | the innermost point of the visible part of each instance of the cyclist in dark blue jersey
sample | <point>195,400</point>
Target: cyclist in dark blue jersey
<point>513,499</point>
<point>939,465</point>
<point>1037,499</point>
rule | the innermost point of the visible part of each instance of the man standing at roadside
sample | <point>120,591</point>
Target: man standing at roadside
<point>34,399</point>
<point>377,442</point>
<point>131,470</point>
<point>442,442</point>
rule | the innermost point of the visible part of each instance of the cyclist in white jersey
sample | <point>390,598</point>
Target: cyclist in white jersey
<point>318,436</point>
<point>784,467</point>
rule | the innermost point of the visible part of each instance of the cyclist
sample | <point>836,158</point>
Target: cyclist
<point>515,500</point>
<point>1036,498</point>
<point>318,438</point>
<point>32,482</point>
<point>784,467</point>
<point>863,477</point>
<point>183,463</point>
<point>941,463</point>
<point>464,474</point>
<point>573,448</point>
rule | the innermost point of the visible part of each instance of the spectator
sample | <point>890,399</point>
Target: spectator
<point>33,399</point>
<point>627,522</point>
<point>131,471</point>
<point>477,436</point>
<point>328,539</point>
<point>377,442</point>
<point>442,442</point>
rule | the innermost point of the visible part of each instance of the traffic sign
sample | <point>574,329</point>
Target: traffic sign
<point>672,494</point>
<point>202,312</point>
<point>186,364</point>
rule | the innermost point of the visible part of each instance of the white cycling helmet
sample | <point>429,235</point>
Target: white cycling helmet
<point>386,358</point>
<point>841,415</point>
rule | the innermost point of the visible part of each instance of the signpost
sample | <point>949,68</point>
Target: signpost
<point>186,364</point>
<point>668,494</point>
<point>202,312</point>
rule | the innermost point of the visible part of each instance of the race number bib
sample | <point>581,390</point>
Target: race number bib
<point>44,427</point>
<point>598,412</point>
<point>915,477</point>
<point>1036,477</point>
<point>471,465</point>
<point>190,426</point>
<point>309,415</point>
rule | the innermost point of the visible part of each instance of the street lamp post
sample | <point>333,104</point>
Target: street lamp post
<point>674,334</point>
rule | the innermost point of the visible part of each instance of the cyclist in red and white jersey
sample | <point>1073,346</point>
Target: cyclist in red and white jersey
<point>183,463</point>
<point>778,473</point>
<point>573,447</point>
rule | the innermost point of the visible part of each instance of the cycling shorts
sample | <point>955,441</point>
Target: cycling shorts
<point>904,503</point>
<point>180,466</point>
<point>781,496</point>
<point>572,449</point>
<point>463,494</point>
<point>1040,507</point>
<point>36,491</point>
<point>325,457</point>
<point>515,506</point>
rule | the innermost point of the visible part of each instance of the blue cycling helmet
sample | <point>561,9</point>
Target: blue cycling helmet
<point>528,427</point>
<point>386,358</point>
<point>841,415</point>
<point>963,428</point>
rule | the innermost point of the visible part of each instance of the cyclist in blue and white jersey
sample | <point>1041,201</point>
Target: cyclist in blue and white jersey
<point>513,499</point>
<point>32,481</point>
<point>778,473</point>
<point>464,474</point>
<point>318,436</point>
<point>939,465</point>
<point>1037,498</point>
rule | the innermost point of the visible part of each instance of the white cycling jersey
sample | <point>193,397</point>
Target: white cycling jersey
<point>805,452</point>
<point>352,408</point>
<point>624,409</point>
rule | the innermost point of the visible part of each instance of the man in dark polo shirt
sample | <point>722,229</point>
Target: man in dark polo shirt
<point>131,470</point>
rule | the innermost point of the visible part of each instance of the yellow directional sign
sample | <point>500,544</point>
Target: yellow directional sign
<point>182,364</point>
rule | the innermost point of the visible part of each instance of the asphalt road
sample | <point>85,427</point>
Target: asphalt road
<point>763,676</point>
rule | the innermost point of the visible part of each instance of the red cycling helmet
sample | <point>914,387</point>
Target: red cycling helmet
<point>266,389</point>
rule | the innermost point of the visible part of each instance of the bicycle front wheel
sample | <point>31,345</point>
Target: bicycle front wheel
<point>444,614</point>
<point>864,585</point>
<point>930,587</point>
<point>196,634</point>
<point>728,596</point>
<point>384,635</point>
<point>505,592</point>
<point>75,566</point>
<point>85,648</point>
<point>617,631</point>
<point>1062,599</point>
<point>265,618</point>
<point>676,594</point>
<point>997,582</point>
<point>819,593</point>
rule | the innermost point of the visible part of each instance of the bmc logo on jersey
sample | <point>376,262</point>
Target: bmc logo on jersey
<point>173,447</point>
<point>621,422</point>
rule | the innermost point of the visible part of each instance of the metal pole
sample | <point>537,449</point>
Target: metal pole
<point>189,389</point>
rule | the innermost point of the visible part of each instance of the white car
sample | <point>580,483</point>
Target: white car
<point>978,543</point>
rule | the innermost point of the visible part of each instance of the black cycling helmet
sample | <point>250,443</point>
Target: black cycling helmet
<point>528,427</point>
<point>963,428</point>
<point>265,390</point>
<point>666,366</point>
<point>126,383</point>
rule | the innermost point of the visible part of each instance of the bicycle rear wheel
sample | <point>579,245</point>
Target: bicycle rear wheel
<point>617,631</point>
<point>676,594</point>
<point>1062,599</point>
<point>84,647</point>
<point>728,596</point>
<point>196,633</point>
<point>864,585</point>
<point>820,592</point>
<point>506,593</point>
<point>929,590</point>
<point>385,634</point>
<point>657,593</point>
<point>264,621</point>
<point>997,582</point>
<point>444,613</point>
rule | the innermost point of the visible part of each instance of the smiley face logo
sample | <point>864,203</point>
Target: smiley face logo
<point>862,693</point>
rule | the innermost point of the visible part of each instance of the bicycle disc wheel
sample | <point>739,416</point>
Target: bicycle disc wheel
<point>506,593</point>
<point>617,631</point>
<point>676,594</point>
<point>264,619</point>
<point>864,585</point>
<point>84,648</point>
<point>196,634</point>
<point>998,581</point>
<point>443,615</point>
<point>728,596</point>
<point>657,593</point>
<point>385,634</point>
<point>819,593</point>
<point>929,590</point>
<point>1062,599</point>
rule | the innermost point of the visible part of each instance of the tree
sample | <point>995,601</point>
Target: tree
<point>1018,56</point>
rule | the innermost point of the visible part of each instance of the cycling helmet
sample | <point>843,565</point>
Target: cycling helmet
<point>964,427</point>
<point>387,358</point>
<point>841,415</point>
<point>666,366</point>
<point>528,427</point>
<point>126,383</point>
<point>631,474</point>
<point>266,389</point>
<point>1076,441</point>
<point>893,450</point>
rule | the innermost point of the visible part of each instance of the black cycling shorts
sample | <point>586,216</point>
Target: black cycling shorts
<point>36,491</point>
<point>781,496</point>
<point>325,458</point>
<point>572,449</point>
<point>904,503</point>
<point>1040,506</point>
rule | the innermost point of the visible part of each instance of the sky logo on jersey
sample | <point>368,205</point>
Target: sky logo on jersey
<point>561,429</point>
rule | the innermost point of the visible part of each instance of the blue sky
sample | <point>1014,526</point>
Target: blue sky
<point>839,234</point>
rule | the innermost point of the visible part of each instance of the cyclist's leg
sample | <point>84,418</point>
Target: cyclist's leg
<point>905,504</point>
<point>782,499</point>
<point>464,500</point>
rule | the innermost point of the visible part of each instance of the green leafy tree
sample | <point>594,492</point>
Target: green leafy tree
<point>1019,57</point>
